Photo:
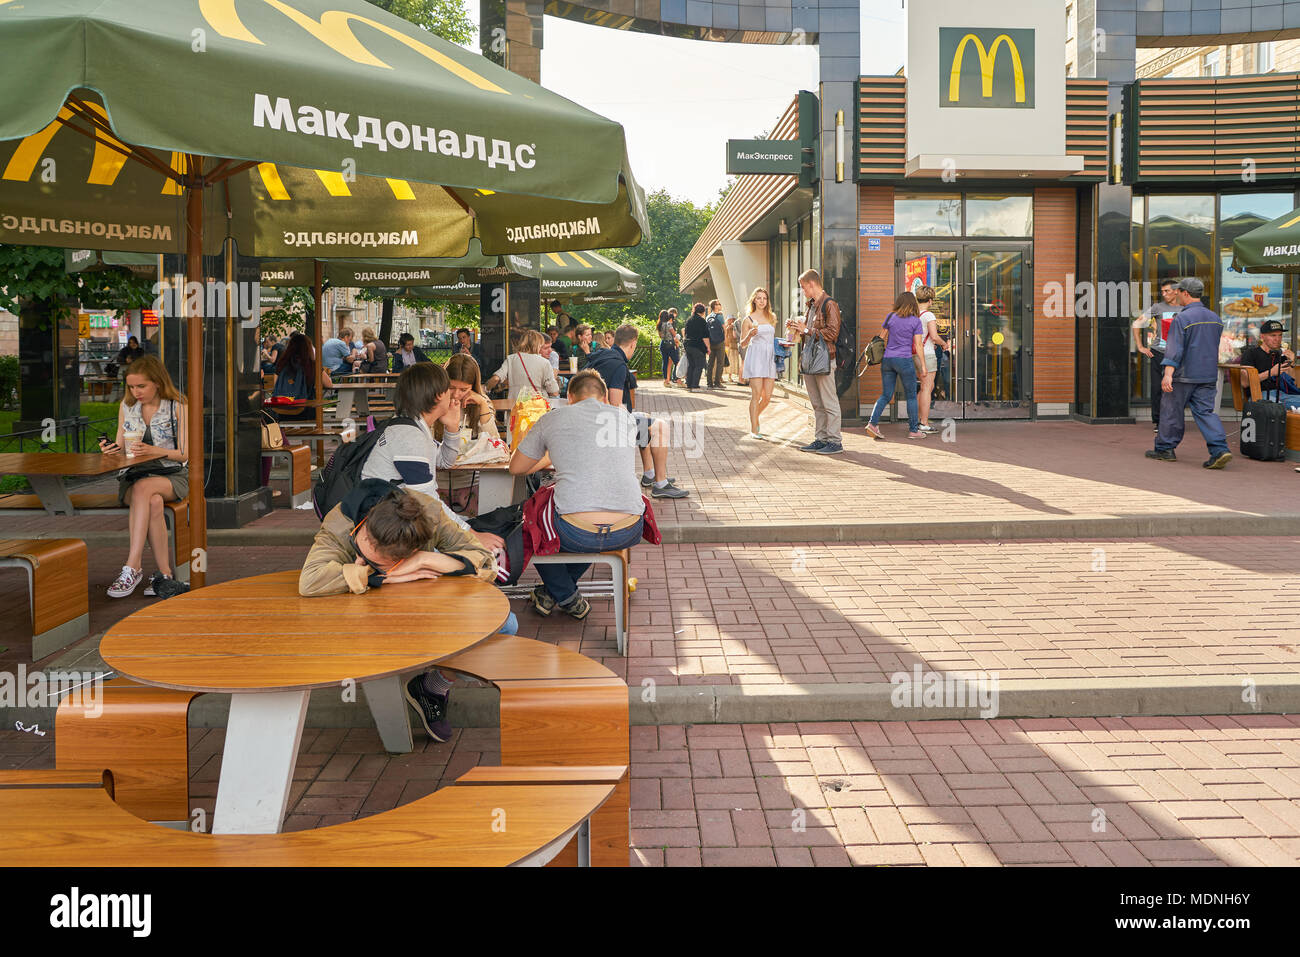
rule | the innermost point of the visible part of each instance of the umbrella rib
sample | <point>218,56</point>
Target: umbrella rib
<point>136,153</point>
<point>220,173</point>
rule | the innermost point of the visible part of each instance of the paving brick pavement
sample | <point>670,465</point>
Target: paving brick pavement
<point>1206,791</point>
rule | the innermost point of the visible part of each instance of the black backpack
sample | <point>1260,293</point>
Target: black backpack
<point>507,522</point>
<point>343,471</point>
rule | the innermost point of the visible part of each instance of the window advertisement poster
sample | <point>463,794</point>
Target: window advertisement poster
<point>918,272</point>
<point>1246,300</point>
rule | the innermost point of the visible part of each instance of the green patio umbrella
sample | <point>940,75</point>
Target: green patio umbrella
<point>320,128</point>
<point>1271,248</point>
<point>584,277</point>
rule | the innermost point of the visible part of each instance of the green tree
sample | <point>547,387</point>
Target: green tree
<point>675,225</point>
<point>449,19</point>
<point>40,273</point>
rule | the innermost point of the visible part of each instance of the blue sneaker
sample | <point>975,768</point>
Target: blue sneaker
<point>830,448</point>
<point>813,446</point>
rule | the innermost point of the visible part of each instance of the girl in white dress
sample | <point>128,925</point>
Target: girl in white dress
<point>757,336</point>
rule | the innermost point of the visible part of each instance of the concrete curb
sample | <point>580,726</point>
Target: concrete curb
<point>1097,527</point>
<point>477,707</point>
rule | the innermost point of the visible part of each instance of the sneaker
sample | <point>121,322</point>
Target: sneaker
<point>126,583</point>
<point>874,432</point>
<point>543,603</point>
<point>647,482</point>
<point>916,435</point>
<point>1166,455</point>
<point>576,607</point>
<point>1217,461</point>
<point>813,446</point>
<point>831,448</point>
<point>432,709</point>
<point>668,491</point>
<point>149,591</point>
<point>928,429</point>
<point>165,586</point>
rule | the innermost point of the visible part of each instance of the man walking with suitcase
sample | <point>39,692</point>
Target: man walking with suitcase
<point>1191,369</point>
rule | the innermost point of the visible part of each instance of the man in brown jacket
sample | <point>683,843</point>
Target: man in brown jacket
<point>381,533</point>
<point>824,315</point>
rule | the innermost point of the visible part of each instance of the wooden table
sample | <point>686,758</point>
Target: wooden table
<point>269,648</point>
<point>496,486</point>
<point>361,390</point>
<point>46,471</point>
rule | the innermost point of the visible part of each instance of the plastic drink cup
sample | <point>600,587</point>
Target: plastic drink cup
<point>129,439</point>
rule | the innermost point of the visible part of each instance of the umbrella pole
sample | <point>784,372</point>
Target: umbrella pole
<point>194,376</point>
<point>318,297</point>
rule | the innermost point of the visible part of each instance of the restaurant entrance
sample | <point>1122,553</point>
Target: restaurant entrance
<point>984,309</point>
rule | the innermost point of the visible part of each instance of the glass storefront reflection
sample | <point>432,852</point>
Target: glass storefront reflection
<point>927,214</point>
<point>999,215</point>
<point>1246,299</point>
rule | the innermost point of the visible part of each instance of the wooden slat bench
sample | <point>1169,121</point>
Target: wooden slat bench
<point>58,585</point>
<point>524,820</point>
<point>294,488</point>
<point>559,708</point>
<point>21,778</point>
<point>175,515</point>
<point>138,732</point>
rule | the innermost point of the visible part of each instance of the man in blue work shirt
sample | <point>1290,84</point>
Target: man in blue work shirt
<point>1191,370</point>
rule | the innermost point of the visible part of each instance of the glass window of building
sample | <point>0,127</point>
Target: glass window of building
<point>1245,300</point>
<point>927,214</point>
<point>1212,65</point>
<point>1264,57</point>
<point>1180,235</point>
<point>988,215</point>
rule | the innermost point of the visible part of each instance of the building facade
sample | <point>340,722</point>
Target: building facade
<point>1043,208</point>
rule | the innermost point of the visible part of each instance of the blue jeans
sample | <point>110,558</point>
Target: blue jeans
<point>892,369</point>
<point>1200,396</point>
<point>667,353</point>
<point>561,581</point>
<point>511,627</point>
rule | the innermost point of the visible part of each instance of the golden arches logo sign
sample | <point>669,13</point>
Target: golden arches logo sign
<point>334,29</point>
<point>1001,82</point>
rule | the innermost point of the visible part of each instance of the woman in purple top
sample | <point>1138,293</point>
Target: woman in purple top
<point>902,332</point>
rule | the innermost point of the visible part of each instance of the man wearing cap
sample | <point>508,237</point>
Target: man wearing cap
<point>1274,363</point>
<point>1191,369</point>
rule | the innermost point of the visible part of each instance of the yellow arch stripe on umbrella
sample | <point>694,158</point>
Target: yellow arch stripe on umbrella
<point>1289,223</point>
<point>170,186</point>
<point>334,182</point>
<point>401,189</point>
<point>271,180</point>
<point>555,258</point>
<point>585,264</point>
<point>105,165</point>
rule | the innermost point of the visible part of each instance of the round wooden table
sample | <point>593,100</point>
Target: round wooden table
<point>260,641</point>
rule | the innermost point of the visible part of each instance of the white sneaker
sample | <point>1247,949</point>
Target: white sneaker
<point>126,583</point>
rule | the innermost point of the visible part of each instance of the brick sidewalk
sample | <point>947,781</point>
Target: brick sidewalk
<point>1127,792</point>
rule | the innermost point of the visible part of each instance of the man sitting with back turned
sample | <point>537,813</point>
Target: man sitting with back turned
<point>598,505</point>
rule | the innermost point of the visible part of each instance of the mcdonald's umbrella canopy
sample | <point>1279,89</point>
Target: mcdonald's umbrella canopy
<point>1271,248</point>
<point>575,277</point>
<point>326,128</point>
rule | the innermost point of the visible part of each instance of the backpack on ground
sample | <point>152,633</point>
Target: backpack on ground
<point>342,472</point>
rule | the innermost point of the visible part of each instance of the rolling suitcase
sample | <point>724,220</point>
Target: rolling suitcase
<point>1263,429</point>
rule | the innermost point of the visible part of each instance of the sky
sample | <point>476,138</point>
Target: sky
<point>681,100</point>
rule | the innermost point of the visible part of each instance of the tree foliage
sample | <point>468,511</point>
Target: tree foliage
<point>675,225</point>
<point>449,19</point>
<point>40,273</point>
<point>292,315</point>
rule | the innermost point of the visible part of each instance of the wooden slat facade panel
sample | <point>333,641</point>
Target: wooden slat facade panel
<point>1216,127</point>
<point>882,127</point>
<point>750,198</point>
<point>1055,230</point>
<point>876,279</point>
<point>1086,132</point>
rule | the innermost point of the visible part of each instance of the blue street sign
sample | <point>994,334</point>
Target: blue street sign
<point>875,229</point>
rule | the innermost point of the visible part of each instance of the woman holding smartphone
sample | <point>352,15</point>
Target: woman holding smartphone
<point>152,418</point>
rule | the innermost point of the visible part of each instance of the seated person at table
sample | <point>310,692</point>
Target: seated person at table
<point>408,353</point>
<point>598,505</point>
<point>382,534</point>
<point>339,352</point>
<point>295,376</point>
<point>373,356</point>
<point>652,436</point>
<point>1276,365</point>
<point>467,389</point>
<point>584,348</point>
<point>408,453</point>
<point>526,369</point>
<point>156,411</point>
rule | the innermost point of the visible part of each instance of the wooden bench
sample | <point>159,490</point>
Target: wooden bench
<point>619,587</point>
<point>523,818</point>
<point>58,585</point>
<point>1245,381</point>
<point>175,515</point>
<point>138,732</point>
<point>44,778</point>
<point>559,708</point>
<point>293,485</point>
